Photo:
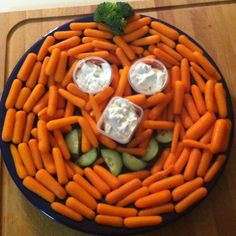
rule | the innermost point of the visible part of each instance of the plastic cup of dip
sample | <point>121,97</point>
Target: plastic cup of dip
<point>120,119</point>
<point>148,76</point>
<point>92,74</point>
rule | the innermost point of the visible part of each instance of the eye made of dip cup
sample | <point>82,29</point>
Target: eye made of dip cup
<point>148,76</point>
<point>120,119</point>
<point>92,74</point>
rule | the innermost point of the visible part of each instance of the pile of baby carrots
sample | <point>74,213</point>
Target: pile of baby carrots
<point>43,103</point>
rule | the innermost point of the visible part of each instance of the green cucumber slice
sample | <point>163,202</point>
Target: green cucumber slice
<point>88,158</point>
<point>165,136</point>
<point>152,150</point>
<point>73,142</point>
<point>113,160</point>
<point>133,163</point>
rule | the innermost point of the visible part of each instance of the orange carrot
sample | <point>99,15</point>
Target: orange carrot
<point>189,44</point>
<point>142,221</point>
<point>19,127</point>
<point>34,133</point>
<point>198,99</point>
<point>192,198</point>
<point>104,54</point>
<point>34,186</point>
<point>167,183</point>
<point>140,128</point>
<point>104,27</point>
<point>27,67</point>
<point>87,47</point>
<point>169,42</point>
<point>97,33</point>
<point>72,88</point>
<point>66,211</point>
<point>96,181</point>
<point>36,156</point>
<point>204,163</point>
<point>186,119</point>
<point>42,103</point>
<point>125,189</point>
<point>185,73</point>
<point>13,93</point>
<point>83,25</point>
<point>113,59</point>
<point>181,162</point>
<point>136,34</point>
<point>68,77</point>
<point>107,141</point>
<point>75,168</point>
<point>145,135</point>
<point>189,143</point>
<point>192,165</point>
<point>52,62</point>
<point>103,45</point>
<point>114,221</point>
<point>43,136</point>
<point>154,100</point>
<point>161,125</point>
<point>52,101</point>
<point>170,51</point>
<point>122,57</point>
<point>146,40</point>
<point>85,144</point>
<point>105,209</point>
<point>136,24</point>
<point>20,168</point>
<point>43,77</point>
<point>28,126</point>
<point>34,75</point>
<point>201,126</point>
<point>132,151</point>
<point>61,67</point>
<point>87,186</point>
<point>220,100</point>
<point>23,96</point>
<point>178,97</point>
<point>65,44</point>
<point>59,35</point>
<point>90,39</point>
<point>132,197</point>
<point>48,162</point>
<point>185,52</point>
<point>61,102</point>
<point>95,107</point>
<point>91,121</point>
<point>198,79</point>
<point>115,76</point>
<point>48,42</point>
<point>166,208</point>
<point>176,134</point>
<point>34,97</point>
<point>190,107</point>
<point>76,191</point>
<point>161,55</point>
<point>206,138</point>
<point>210,96</point>
<point>8,126</point>
<point>124,178</point>
<point>138,99</point>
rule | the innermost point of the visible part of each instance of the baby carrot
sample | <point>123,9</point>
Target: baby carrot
<point>42,103</point>
<point>61,67</point>
<point>132,197</point>
<point>114,221</point>
<point>214,169</point>
<point>186,119</point>
<point>48,42</point>
<point>68,76</point>
<point>13,93</point>
<point>152,211</point>
<point>104,54</point>
<point>210,96</point>
<point>37,188</point>
<point>176,135</point>
<point>184,190</point>
<point>91,121</point>
<point>34,75</point>
<point>206,138</point>
<point>48,162</point>
<point>97,33</point>
<point>23,96</point>
<point>161,55</point>
<point>88,131</point>
<point>66,211</point>
<point>161,125</point>
<point>19,127</point>
<point>27,67</point>
<point>132,151</point>
<point>198,99</point>
<point>158,165</point>
<point>34,97</point>
<point>136,34</point>
<point>36,156</point>
<point>220,100</point>
<point>52,100</point>
<point>95,107</point>
<point>190,107</point>
<point>178,99</point>
<point>87,47</point>
<point>28,126</point>
<point>185,52</point>
<point>201,126</point>
<point>122,57</point>
<point>137,24</point>
<point>198,79</point>
<point>166,183</point>
<point>192,198</point>
<point>153,39</point>
<point>43,77</point>
<point>43,136</point>
<point>65,44</point>
<point>185,74</point>
<point>76,191</point>
<point>192,165</point>
<point>154,100</point>
<point>75,168</point>
<point>90,39</point>
<point>43,177</point>
<point>138,99</point>
<point>97,181</point>
<point>164,29</point>
<point>83,25</point>
<point>72,88</point>
<point>85,144</point>
<point>87,186</point>
<point>204,163</point>
<point>34,133</point>
<point>8,126</point>
<point>103,45</point>
<point>103,27</point>
<point>174,75</point>
<point>145,135</point>
<point>189,44</point>
<point>52,62</point>
<point>170,51</point>
<point>107,142</point>
<point>61,144</point>
<point>189,143</point>
<point>125,189</point>
<point>124,178</point>
<point>105,209</point>
<point>59,35</point>
<point>167,41</point>
<point>107,177</point>
<point>20,168</point>
<point>142,221</point>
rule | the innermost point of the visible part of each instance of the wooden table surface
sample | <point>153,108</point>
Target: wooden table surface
<point>213,24</point>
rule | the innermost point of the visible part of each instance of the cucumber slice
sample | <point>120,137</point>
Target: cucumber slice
<point>133,163</point>
<point>113,160</point>
<point>73,142</point>
<point>165,136</point>
<point>88,158</point>
<point>152,150</point>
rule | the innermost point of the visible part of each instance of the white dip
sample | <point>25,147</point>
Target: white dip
<point>92,77</point>
<point>146,79</point>
<point>120,120</point>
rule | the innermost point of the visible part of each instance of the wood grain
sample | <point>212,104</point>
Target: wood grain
<point>213,25</point>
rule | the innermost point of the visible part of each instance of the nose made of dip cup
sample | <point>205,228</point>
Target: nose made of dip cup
<point>148,76</point>
<point>92,74</point>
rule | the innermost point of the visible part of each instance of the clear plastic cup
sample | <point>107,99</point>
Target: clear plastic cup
<point>101,123</point>
<point>149,87</point>
<point>92,83</point>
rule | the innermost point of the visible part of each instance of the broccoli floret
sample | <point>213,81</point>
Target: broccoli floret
<point>114,15</point>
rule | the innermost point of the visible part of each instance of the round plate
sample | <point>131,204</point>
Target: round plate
<point>87,225</point>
